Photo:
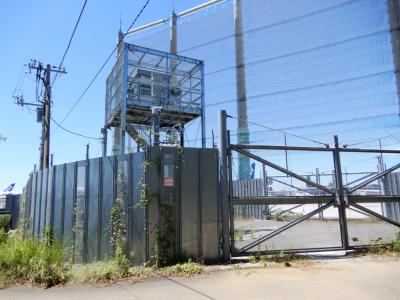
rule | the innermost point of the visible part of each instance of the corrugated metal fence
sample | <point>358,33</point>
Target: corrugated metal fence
<point>391,186</point>
<point>75,201</point>
<point>250,188</point>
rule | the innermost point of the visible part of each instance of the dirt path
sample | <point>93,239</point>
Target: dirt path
<point>347,278</point>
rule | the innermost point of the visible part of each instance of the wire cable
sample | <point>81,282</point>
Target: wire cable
<point>101,68</point>
<point>70,41</point>
<point>281,131</point>
<point>373,140</point>
<point>72,132</point>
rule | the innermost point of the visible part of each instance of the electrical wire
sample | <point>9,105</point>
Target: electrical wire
<point>74,133</point>
<point>373,140</point>
<point>70,41</point>
<point>281,131</point>
<point>101,68</point>
<point>20,81</point>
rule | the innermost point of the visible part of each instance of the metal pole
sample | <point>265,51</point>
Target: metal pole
<point>243,129</point>
<point>224,184</point>
<point>393,7</point>
<point>318,180</point>
<point>182,135</point>
<point>117,130</point>
<point>104,141</point>
<point>265,185</point>
<point>203,109</point>
<point>230,193</point>
<point>340,197</point>
<point>46,121</point>
<point>87,151</point>
<point>155,110</point>
<point>124,97</point>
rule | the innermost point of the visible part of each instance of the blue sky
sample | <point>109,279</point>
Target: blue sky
<point>41,30</point>
<point>322,68</point>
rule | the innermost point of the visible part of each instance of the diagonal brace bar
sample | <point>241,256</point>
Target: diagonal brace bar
<point>284,228</point>
<point>292,186</point>
<point>372,179</point>
<point>372,213</point>
<point>283,170</point>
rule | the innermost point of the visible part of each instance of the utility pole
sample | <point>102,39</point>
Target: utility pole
<point>393,7</point>
<point>44,108</point>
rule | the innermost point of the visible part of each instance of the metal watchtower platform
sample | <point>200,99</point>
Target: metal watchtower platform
<point>143,78</point>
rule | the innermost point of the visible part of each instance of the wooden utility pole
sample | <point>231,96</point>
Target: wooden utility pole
<point>46,121</point>
<point>44,75</point>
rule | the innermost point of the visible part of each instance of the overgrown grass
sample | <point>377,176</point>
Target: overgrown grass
<point>100,273</point>
<point>31,261</point>
<point>390,249</point>
<point>185,269</point>
<point>282,258</point>
<point>96,273</point>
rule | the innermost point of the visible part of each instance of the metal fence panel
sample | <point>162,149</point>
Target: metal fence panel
<point>391,184</point>
<point>80,213</point>
<point>93,210</point>
<point>43,199</point>
<point>69,205</point>
<point>136,210</point>
<point>106,206</point>
<point>190,208</point>
<point>208,162</point>
<point>122,191</point>
<point>36,215</point>
<point>49,197</point>
<point>58,209</point>
<point>27,205</point>
<point>31,216</point>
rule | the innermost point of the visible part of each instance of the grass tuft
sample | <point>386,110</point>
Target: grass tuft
<point>185,269</point>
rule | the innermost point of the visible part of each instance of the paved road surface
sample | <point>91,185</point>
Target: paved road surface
<point>349,278</point>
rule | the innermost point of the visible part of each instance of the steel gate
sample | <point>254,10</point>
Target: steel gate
<point>341,197</point>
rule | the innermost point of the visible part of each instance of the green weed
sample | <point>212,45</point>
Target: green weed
<point>31,261</point>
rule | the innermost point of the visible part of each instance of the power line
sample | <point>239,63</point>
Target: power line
<point>373,140</point>
<point>101,68</point>
<point>283,132</point>
<point>70,40</point>
<point>72,132</point>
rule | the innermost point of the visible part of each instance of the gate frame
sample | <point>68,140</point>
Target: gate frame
<point>340,196</point>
